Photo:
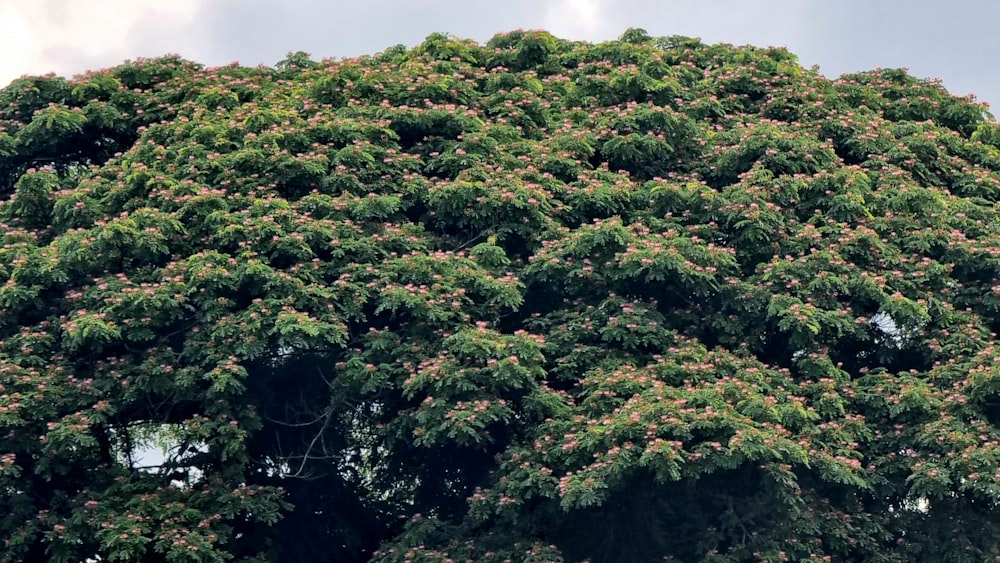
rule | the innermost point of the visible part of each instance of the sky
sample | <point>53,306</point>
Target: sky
<point>956,41</point>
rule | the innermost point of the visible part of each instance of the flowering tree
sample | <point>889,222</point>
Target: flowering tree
<point>534,300</point>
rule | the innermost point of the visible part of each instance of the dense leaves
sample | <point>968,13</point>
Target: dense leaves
<point>533,300</point>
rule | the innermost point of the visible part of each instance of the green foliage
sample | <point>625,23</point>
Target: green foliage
<point>534,300</point>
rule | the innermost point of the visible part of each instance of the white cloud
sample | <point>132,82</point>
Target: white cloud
<point>39,36</point>
<point>577,19</point>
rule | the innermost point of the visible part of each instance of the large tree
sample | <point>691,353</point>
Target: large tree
<point>533,300</point>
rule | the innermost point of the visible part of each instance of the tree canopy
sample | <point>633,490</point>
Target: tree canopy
<point>531,300</point>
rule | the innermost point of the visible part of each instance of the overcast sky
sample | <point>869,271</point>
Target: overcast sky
<point>955,40</point>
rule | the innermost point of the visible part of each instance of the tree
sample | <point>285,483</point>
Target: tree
<point>533,300</point>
